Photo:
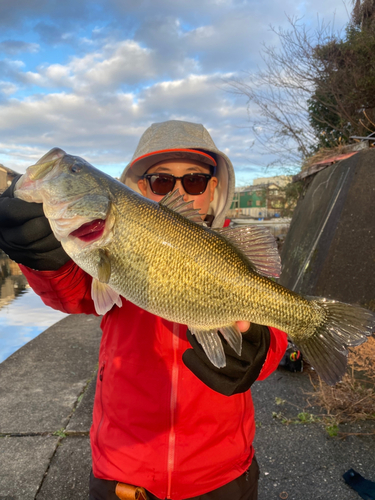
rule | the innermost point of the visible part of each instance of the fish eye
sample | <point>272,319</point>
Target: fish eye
<point>75,168</point>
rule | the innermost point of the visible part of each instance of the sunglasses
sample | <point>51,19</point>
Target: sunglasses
<point>163,184</point>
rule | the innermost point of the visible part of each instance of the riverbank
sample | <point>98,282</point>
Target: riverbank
<point>46,393</point>
<point>46,396</point>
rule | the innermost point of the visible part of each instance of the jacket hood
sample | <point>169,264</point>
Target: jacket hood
<point>175,135</point>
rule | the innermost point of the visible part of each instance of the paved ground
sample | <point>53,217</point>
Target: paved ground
<point>46,395</point>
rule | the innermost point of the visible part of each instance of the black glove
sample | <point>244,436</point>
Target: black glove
<point>240,372</point>
<point>26,235</point>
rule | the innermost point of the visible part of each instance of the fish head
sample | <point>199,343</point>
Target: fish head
<point>76,197</point>
<point>58,175</point>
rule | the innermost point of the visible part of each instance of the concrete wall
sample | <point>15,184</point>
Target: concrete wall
<point>330,247</point>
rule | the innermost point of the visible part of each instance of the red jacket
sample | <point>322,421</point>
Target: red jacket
<point>155,424</point>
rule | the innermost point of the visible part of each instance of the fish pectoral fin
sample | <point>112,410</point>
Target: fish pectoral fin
<point>104,297</point>
<point>175,201</point>
<point>233,336</point>
<point>104,266</point>
<point>259,246</point>
<point>211,344</point>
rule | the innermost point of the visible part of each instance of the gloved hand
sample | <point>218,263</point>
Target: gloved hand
<point>26,235</point>
<point>240,372</point>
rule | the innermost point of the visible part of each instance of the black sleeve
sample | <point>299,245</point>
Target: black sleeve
<point>26,235</point>
<point>240,372</point>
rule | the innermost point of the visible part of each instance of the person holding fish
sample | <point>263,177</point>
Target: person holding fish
<point>173,415</point>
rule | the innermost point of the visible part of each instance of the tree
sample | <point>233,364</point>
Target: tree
<point>316,89</point>
<point>363,15</point>
<point>278,95</point>
<point>343,103</point>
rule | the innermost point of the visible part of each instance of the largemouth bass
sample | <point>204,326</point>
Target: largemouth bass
<point>160,257</point>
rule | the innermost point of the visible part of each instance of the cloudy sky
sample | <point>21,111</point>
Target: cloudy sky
<point>90,75</point>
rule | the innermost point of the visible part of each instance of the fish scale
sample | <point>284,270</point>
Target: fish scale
<point>174,267</point>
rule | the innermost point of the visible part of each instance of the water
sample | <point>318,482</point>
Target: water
<point>23,315</point>
<point>278,227</point>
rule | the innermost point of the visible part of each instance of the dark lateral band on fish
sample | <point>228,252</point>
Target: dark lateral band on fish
<point>161,257</point>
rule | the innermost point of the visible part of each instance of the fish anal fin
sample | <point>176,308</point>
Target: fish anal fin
<point>104,297</point>
<point>259,246</point>
<point>211,344</point>
<point>233,336</point>
<point>175,201</point>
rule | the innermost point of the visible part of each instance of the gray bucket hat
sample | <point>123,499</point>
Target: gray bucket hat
<point>176,139</point>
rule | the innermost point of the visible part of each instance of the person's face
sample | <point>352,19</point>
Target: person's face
<point>178,168</point>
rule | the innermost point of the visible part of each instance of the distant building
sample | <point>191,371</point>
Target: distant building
<point>263,199</point>
<point>6,177</point>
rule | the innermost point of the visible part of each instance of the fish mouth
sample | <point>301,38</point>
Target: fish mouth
<point>91,231</point>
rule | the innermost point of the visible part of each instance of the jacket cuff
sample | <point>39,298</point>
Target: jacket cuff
<point>277,348</point>
<point>68,289</point>
<point>28,271</point>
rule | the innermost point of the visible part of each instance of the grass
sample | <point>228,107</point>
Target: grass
<point>302,418</point>
<point>60,433</point>
<point>353,399</point>
<point>348,402</point>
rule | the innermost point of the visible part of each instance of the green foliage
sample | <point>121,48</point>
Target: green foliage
<point>343,102</point>
<point>280,401</point>
<point>329,127</point>
<point>302,418</point>
<point>60,433</point>
<point>332,430</point>
<point>307,418</point>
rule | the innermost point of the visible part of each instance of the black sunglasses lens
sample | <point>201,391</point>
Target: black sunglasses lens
<point>195,184</point>
<point>161,184</point>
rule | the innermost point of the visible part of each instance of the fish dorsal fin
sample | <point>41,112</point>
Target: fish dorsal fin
<point>175,201</point>
<point>259,246</point>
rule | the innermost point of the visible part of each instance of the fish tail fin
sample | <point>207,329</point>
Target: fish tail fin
<point>345,326</point>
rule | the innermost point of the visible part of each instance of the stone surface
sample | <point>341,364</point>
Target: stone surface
<point>45,387</point>
<point>300,459</point>
<point>69,472</point>
<point>23,462</point>
<point>40,383</point>
<point>82,416</point>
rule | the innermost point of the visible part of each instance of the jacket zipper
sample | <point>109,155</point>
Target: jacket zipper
<point>101,373</point>
<point>172,408</point>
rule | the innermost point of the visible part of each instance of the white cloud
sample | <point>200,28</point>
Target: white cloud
<point>7,88</point>
<point>120,66</point>
<point>77,123</point>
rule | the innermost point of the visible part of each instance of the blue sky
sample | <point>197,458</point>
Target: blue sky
<point>90,76</point>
